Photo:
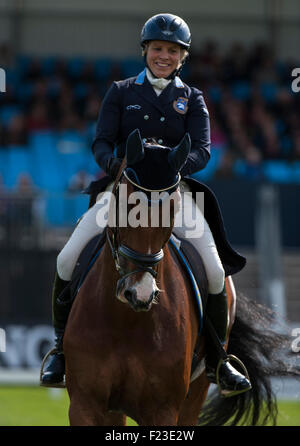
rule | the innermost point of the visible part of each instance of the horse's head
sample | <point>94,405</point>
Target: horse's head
<point>147,198</point>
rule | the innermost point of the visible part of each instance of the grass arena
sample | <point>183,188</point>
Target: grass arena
<point>33,406</point>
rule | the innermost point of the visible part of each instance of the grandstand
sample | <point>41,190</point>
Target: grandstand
<point>49,112</point>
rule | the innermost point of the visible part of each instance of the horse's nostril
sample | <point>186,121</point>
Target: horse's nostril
<point>130,294</point>
<point>155,296</point>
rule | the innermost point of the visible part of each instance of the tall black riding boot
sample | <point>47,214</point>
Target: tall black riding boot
<point>218,367</point>
<point>53,376</point>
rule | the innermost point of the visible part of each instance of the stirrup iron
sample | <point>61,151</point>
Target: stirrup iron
<point>230,358</point>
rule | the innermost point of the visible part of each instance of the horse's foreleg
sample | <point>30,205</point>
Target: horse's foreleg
<point>193,403</point>
<point>90,413</point>
<point>115,419</point>
<point>82,414</point>
<point>159,417</point>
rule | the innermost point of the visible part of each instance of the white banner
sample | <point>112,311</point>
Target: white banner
<point>22,346</point>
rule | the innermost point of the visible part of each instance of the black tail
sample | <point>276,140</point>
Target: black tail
<point>266,354</point>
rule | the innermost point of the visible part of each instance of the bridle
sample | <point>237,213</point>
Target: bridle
<point>144,262</point>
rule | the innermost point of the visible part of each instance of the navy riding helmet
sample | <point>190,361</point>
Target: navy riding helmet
<point>168,27</point>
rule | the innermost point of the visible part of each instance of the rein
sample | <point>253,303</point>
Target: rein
<point>144,262</point>
<point>169,188</point>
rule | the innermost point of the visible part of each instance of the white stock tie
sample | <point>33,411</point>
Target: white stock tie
<point>157,83</point>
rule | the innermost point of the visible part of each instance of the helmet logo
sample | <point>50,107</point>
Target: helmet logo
<point>167,33</point>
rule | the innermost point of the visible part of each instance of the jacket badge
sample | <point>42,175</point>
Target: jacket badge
<point>133,107</point>
<point>180,105</point>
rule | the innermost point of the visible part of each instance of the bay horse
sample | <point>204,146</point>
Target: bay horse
<point>133,326</point>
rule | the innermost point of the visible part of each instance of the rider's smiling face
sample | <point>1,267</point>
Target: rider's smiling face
<point>163,57</point>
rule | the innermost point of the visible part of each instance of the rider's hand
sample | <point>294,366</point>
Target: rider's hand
<point>113,167</point>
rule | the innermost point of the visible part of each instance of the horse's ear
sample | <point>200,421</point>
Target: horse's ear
<point>178,156</point>
<point>134,148</point>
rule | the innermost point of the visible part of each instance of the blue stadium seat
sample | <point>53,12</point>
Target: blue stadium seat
<point>185,72</point>
<point>81,206</point>
<point>43,144</point>
<point>131,67</point>
<point>75,66</point>
<point>295,167</point>
<point>243,169</point>
<point>25,91</point>
<point>278,171</point>
<point>12,77</point>
<point>19,161</point>
<point>55,210</point>
<point>48,65</point>
<point>72,163</point>
<point>58,156</point>
<point>215,93</point>
<point>3,163</point>
<point>65,210</point>
<point>216,155</point>
<point>81,90</point>
<point>70,142</point>
<point>241,90</point>
<point>54,88</point>
<point>47,171</point>
<point>91,166</point>
<point>23,63</point>
<point>103,68</point>
<point>240,168</point>
<point>74,207</point>
<point>269,91</point>
<point>73,154</point>
<point>7,113</point>
<point>49,178</point>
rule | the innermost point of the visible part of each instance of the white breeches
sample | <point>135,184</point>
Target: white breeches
<point>87,227</point>
<point>189,223</point>
<point>196,229</point>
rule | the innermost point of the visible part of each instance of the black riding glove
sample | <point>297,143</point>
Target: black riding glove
<point>113,167</point>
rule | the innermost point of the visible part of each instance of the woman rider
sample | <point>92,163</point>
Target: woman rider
<point>161,106</point>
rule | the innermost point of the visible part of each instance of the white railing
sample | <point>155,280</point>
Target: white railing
<point>268,247</point>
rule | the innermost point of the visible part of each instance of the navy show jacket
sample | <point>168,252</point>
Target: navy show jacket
<point>132,103</point>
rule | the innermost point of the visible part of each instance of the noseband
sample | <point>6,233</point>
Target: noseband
<point>144,262</point>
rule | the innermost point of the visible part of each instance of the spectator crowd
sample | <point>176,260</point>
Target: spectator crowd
<point>254,112</point>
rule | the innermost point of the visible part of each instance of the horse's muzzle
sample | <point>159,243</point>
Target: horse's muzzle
<point>130,295</point>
